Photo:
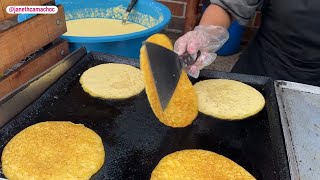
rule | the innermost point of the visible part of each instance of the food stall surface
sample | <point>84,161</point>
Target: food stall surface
<point>300,116</point>
<point>135,140</point>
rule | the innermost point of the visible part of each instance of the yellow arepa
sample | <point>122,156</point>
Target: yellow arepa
<point>183,106</point>
<point>198,165</point>
<point>53,151</point>
<point>112,81</point>
<point>228,99</point>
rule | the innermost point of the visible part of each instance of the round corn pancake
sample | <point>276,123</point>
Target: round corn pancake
<point>198,165</point>
<point>228,99</point>
<point>53,151</point>
<point>112,81</point>
<point>183,106</point>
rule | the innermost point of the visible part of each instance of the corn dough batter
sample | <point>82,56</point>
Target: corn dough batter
<point>198,165</point>
<point>100,27</point>
<point>228,99</point>
<point>53,150</point>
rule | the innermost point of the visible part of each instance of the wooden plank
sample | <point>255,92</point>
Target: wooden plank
<point>5,3</point>
<point>56,30</point>
<point>44,1</point>
<point>5,86</point>
<point>33,68</point>
<point>26,38</point>
<point>191,15</point>
<point>1,13</point>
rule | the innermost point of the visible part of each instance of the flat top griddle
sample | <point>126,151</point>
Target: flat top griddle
<point>300,116</point>
<point>135,140</point>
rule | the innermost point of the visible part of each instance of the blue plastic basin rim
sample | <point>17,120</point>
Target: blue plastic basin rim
<point>101,39</point>
<point>166,19</point>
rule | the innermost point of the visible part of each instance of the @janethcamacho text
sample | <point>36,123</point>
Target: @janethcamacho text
<point>32,9</point>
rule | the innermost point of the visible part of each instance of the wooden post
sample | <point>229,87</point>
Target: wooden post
<point>27,37</point>
<point>24,39</point>
<point>33,68</point>
<point>191,15</point>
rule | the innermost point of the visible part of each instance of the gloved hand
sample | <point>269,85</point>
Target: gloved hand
<point>206,39</point>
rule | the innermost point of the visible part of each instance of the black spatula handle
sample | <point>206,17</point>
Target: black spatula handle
<point>187,59</point>
<point>132,3</point>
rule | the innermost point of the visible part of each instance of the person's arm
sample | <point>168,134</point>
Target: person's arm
<point>240,10</point>
<point>211,34</point>
<point>216,15</point>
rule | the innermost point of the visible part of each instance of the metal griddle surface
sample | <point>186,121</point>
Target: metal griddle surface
<point>300,116</point>
<point>135,140</point>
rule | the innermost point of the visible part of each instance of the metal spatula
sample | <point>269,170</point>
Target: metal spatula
<point>128,10</point>
<point>166,67</point>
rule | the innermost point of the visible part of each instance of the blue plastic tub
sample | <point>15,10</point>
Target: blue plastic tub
<point>148,13</point>
<point>232,46</point>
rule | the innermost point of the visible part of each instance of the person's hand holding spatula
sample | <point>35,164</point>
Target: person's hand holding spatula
<point>206,39</point>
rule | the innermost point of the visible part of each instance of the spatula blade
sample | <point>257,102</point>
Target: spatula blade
<point>166,70</point>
